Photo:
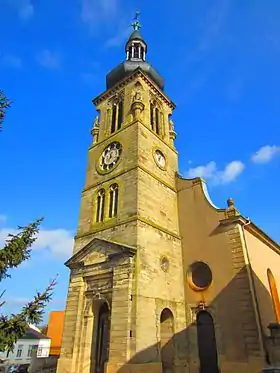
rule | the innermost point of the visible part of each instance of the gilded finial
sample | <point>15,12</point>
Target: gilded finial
<point>136,23</point>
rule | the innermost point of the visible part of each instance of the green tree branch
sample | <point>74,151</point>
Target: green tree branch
<point>16,250</point>
<point>5,103</point>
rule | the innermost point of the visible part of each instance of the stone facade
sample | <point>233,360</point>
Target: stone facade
<point>160,279</point>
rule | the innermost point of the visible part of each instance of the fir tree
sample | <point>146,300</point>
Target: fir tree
<point>5,103</point>
<point>16,250</point>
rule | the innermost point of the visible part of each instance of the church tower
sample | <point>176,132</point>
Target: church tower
<point>126,293</point>
<point>161,280</point>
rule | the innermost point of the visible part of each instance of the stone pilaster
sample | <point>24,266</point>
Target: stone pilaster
<point>273,346</point>
<point>244,292</point>
<point>72,327</point>
<point>86,356</point>
<point>120,333</point>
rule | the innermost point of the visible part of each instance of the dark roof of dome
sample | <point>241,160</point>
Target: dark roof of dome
<point>128,67</point>
<point>136,35</point>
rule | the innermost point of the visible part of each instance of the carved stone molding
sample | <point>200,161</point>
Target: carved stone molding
<point>118,96</point>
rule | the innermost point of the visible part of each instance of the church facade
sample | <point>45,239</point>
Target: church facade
<point>160,279</point>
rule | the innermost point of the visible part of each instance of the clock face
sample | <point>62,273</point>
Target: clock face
<point>160,158</point>
<point>110,156</point>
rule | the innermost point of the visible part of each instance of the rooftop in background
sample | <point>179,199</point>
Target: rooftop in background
<point>33,334</point>
<point>55,329</point>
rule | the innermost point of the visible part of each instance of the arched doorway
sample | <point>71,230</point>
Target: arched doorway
<point>207,347</point>
<point>102,338</point>
<point>166,340</point>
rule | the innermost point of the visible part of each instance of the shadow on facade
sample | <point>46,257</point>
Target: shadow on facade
<point>222,332</point>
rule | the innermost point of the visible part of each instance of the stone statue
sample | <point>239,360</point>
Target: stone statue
<point>96,122</point>
<point>171,125</point>
<point>137,96</point>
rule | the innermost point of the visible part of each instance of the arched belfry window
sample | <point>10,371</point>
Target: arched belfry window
<point>155,115</point>
<point>100,205</point>
<point>136,50</point>
<point>157,121</point>
<point>274,294</point>
<point>117,116</point>
<point>113,200</point>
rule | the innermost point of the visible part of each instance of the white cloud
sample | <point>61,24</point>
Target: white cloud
<point>48,59</point>
<point>231,171</point>
<point>9,60</point>
<point>265,154</point>
<point>210,172</point>
<point>206,172</point>
<point>59,242</point>
<point>95,12</point>
<point>119,38</point>
<point>24,8</point>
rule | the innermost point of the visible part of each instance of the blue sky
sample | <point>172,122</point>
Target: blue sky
<point>220,60</point>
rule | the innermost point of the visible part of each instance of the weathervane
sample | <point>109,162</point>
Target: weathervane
<point>136,23</point>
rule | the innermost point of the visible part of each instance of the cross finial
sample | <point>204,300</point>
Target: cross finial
<point>136,23</point>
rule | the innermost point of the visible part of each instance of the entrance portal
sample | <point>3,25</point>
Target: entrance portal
<point>166,339</point>
<point>102,340</point>
<point>207,346</point>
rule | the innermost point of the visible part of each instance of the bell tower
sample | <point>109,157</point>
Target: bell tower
<point>126,290</point>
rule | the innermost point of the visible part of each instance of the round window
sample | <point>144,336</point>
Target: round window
<point>164,263</point>
<point>199,276</point>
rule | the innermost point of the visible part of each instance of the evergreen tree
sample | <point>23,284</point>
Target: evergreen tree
<point>16,250</point>
<point>5,103</point>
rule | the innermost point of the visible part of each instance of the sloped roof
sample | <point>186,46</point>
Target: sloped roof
<point>33,334</point>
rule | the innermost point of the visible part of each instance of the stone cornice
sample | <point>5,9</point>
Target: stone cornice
<point>137,73</point>
<point>123,128</point>
<point>253,229</point>
<point>135,218</point>
<point>115,175</point>
<point>112,249</point>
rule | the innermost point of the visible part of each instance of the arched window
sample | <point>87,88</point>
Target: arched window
<point>117,116</point>
<point>100,205</point>
<point>120,114</point>
<point>113,200</point>
<point>152,116</point>
<point>155,115</point>
<point>138,51</point>
<point>114,116</point>
<point>157,122</point>
<point>274,294</point>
